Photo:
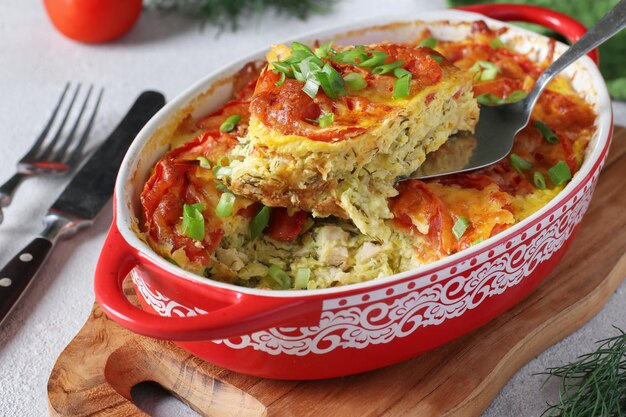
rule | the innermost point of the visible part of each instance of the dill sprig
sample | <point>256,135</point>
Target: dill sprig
<point>223,13</point>
<point>595,384</point>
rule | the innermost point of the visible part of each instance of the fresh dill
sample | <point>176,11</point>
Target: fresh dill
<point>595,384</point>
<point>230,13</point>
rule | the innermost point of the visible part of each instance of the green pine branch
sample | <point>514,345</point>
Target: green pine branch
<point>230,13</point>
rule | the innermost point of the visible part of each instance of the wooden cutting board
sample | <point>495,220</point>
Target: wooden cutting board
<point>96,371</point>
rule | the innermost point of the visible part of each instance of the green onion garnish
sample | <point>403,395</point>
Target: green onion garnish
<point>225,205</point>
<point>547,133</point>
<point>282,67</point>
<point>485,71</point>
<point>375,60</point>
<point>221,172</point>
<point>279,276</point>
<point>230,123</point>
<point>193,221</point>
<point>311,87</point>
<point>560,173</point>
<point>460,227</point>
<point>331,81</point>
<point>496,43</point>
<point>352,56</point>
<point>539,180</point>
<point>172,261</point>
<point>324,120</point>
<point>515,96</point>
<point>384,69</point>
<point>302,278</point>
<point>300,47</point>
<point>259,222</point>
<point>489,99</point>
<point>401,72</point>
<point>204,162</point>
<point>220,186</point>
<point>477,241</point>
<point>281,80</point>
<point>437,58</point>
<point>402,87</point>
<point>323,50</point>
<point>355,81</point>
<point>430,42</point>
<point>520,163</point>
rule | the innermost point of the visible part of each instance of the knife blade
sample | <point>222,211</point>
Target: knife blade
<point>79,203</point>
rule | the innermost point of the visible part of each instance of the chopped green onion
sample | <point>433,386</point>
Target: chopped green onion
<point>172,261</point>
<point>193,221</point>
<point>401,72</point>
<point>220,186</point>
<point>279,276</point>
<point>221,172</point>
<point>375,60</point>
<point>323,50</point>
<point>496,43</point>
<point>515,96</point>
<point>204,162</point>
<point>384,69</point>
<point>308,67</point>
<point>230,123</point>
<point>437,58</point>
<point>485,71</point>
<point>352,56</point>
<point>547,133</point>
<point>402,87</point>
<point>297,74</point>
<point>324,120</point>
<point>282,67</point>
<point>560,173</point>
<point>430,42</point>
<point>225,205</point>
<point>477,241</point>
<point>281,80</point>
<point>489,99</point>
<point>311,87</point>
<point>355,81</point>
<point>259,222</point>
<point>539,180</point>
<point>520,163</point>
<point>302,278</point>
<point>331,81</point>
<point>460,227</point>
<point>297,46</point>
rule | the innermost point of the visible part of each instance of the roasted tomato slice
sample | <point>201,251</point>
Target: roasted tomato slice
<point>418,210</point>
<point>175,184</point>
<point>282,226</point>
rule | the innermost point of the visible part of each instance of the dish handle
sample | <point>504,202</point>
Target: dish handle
<point>243,315</point>
<point>561,23</point>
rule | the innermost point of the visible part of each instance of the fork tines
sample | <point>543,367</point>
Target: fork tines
<point>62,151</point>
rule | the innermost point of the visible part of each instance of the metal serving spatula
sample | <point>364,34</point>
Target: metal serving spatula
<point>498,125</point>
<point>79,203</point>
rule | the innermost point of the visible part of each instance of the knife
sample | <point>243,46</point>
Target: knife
<point>80,202</point>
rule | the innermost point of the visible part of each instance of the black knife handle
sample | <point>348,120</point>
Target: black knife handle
<point>17,275</point>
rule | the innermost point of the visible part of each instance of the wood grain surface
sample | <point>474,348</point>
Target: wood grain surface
<point>96,371</point>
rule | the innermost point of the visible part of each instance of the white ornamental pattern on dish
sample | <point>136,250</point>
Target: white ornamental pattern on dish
<point>160,303</point>
<point>385,318</point>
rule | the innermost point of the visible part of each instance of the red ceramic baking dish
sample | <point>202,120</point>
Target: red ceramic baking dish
<point>345,330</point>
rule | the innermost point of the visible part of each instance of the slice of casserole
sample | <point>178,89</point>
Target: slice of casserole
<point>331,129</point>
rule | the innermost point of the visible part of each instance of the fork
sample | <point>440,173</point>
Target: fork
<point>53,156</point>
